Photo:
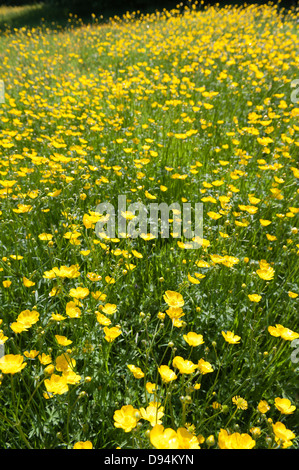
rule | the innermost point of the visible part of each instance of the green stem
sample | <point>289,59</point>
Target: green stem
<point>30,399</point>
<point>19,428</point>
<point>13,396</point>
<point>231,417</point>
<point>183,413</point>
<point>68,418</point>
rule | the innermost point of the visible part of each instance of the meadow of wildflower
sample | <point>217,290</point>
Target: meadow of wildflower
<point>141,342</point>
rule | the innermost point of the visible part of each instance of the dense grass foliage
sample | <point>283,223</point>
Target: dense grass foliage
<point>142,342</point>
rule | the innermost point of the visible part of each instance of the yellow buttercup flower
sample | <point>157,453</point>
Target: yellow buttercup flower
<point>282,433</point>
<point>136,371</point>
<point>45,359</point>
<point>19,327</point>
<point>62,340</point>
<point>137,254</point>
<point>240,403</point>
<point>263,406</point>
<point>284,406</point>
<point>72,310</point>
<point>31,354</point>
<point>3,338</point>
<point>270,237</point>
<point>6,283</point>
<point>275,330</point>
<point>230,337</point>
<point>23,208</point>
<point>214,215</point>
<point>128,215</point>
<point>94,276</point>
<point>187,440</point>
<point>57,317</point>
<point>12,363</point>
<point>27,282</point>
<point>45,236</point>
<point>151,387</point>
<point>102,319</point>
<point>112,333</point>
<point>147,236</point>
<point>49,369</point>
<point>265,222</point>
<point>109,309</point>
<point>184,366</point>
<point>8,183</point>
<point>153,413</point>
<point>64,363</point>
<point>56,384</point>
<point>175,313</point>
<point>25,320</point>
<point>79,292</point>
<point>254,297</point>
<point>204,366</point>
<point>193,339</point>
<point>71,377</point>
<point>28,317</point>
<point>164,438</point>
<point>266,274</point>
<point>149,195</point>
<point>288,335</point>
<point>70,272</point>
<point>192,279</point>
<point>98,295</point>
<point>235,440</point>
<point>126,418</point>
<point>285,333</point>
<point>266,271</point>
<point>83,445</point>
<point>167,374</point>
<point>173,299</point>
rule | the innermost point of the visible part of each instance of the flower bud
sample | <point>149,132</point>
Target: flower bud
<point>255,432</point>
<point>49,369</point>
<point>268,441</point>
<point>85,428</point>
<point>210,441</point>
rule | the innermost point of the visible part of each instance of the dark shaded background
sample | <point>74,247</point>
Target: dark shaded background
<point>55,13</point>
<point>86,7</point>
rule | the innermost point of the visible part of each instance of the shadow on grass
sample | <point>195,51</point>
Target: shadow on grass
<point>53,16</point>
<point>32,16</point>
